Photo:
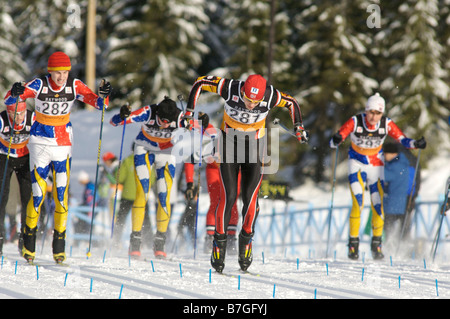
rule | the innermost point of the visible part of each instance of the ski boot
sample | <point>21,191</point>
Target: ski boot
<point>218,252</point>
<point>134,251</point>
<point>231,245</point>
<point>375,246</point>
<point>60,258</point>
<point>29,244</point>
<point>58,245</point>
<point>245,257</point>
<point>28,255</point>
<point>158,245</point>
<point>353,248</point>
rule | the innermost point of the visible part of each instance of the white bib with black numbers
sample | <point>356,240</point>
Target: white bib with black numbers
<point>53,107</point>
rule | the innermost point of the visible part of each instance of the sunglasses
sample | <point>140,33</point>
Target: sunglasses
<point>164,120</point>
<point>252,101</point>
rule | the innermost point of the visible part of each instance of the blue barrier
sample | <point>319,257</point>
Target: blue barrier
<point>101,223</point>
<point>291,227</point>
<point>282,225</point>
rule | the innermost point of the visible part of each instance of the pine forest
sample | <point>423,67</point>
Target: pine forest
<point>330,55</point>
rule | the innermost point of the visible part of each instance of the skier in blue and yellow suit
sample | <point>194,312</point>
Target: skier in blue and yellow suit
<point>367,132</point>
<point>50,143</point>
<point>153,145</point>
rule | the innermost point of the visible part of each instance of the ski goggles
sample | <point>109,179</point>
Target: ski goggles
<point>251,100</point>
<point>164,120</point>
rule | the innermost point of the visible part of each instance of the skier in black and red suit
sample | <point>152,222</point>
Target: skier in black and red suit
<point>247,105</point>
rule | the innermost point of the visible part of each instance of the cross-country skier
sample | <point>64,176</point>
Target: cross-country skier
<point>213,184</point>
<point>126,178</point>
<point>367,132</point>
<point>108,180</point>
<point>15,122</point>
<point>153,146</point>
<point>247,105</point>
<point>82,226</point>
<point>50,143</point>
<point>399,180</point>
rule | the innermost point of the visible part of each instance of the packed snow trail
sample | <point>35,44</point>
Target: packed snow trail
<point>275,278</point>
<point>185,278</point>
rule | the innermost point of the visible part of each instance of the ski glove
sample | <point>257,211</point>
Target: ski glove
<point>336,140</point>
<point>420,143</point>
<point>17,89</point>
<point>105,89</point>
<point>204,118</point>
<point>125,111</point>
<point>190,191</point>
<point>188,120</point>
<point>301,134</point>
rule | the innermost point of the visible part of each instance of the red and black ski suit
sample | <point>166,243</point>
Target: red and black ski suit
<point>213,181</point>
<point>17,157</point>
<point>241,141</point>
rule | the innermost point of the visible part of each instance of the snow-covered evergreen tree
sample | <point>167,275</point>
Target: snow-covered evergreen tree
<point>155,48</point>
<point>325,54</point>
<point>249,21</point>
<point>444,38</point>
<point>332,54</point>
<point>418,79</point>
<point>11,63</point>
<point>44,28</point>
<point>216,36</point>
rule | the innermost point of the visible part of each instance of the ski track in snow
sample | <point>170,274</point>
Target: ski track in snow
<point>183,277</point>
<point>272,278</point>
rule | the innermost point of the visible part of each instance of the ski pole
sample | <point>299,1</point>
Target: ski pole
<point>408,217</point>
<point>438,233</point>
<point>96,171</point>
<point>47,210</point>
<point>332,199</point>
<point>276,121</point>
<point>181,99</point>
<point>117,177</point>
<point>178,228</point>
<point>175,241</point>
<point>9,150</point>
<point>198,190</point>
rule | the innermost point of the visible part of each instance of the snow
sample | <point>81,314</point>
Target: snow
<point>109,273</point>
<point>114,276</point>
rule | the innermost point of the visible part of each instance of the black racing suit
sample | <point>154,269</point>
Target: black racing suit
<point>18,162</point>
<point>242,144</point>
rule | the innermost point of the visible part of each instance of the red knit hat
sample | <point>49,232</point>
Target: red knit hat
<point>59,61</point>
<point>255,87</point>
<point>108,156</point>
<point>21,106</point>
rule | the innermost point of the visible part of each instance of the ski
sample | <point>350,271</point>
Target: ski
<point>31,262</point>
<point>157,258</point>
<point>246,272</point>
<point>438,233</point>
<point>234,275</point>
<point>62,264</point>
<point>226,274</point>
